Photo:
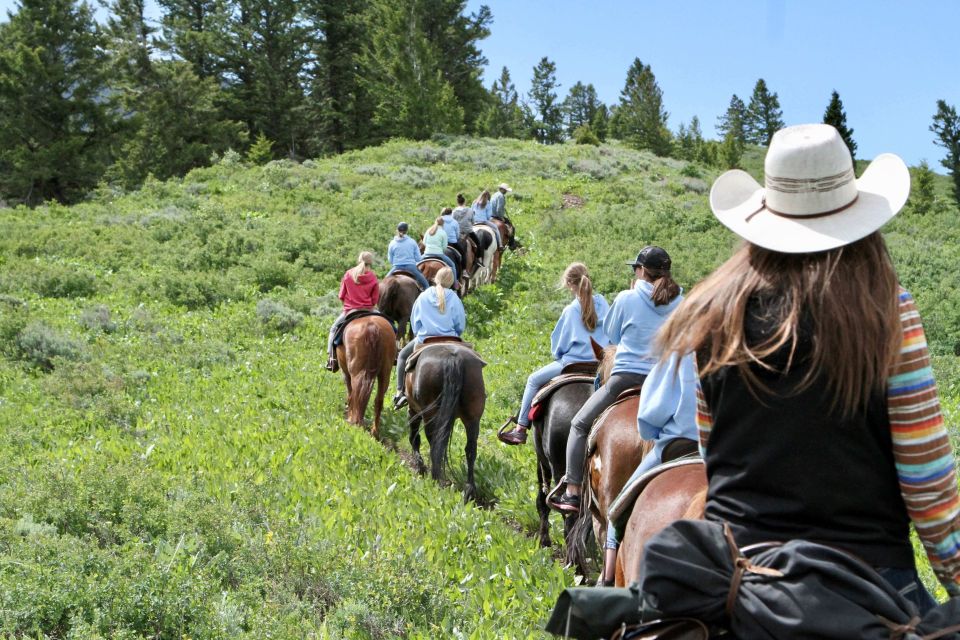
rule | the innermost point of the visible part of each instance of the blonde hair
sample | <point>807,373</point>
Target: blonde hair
<point>843,303</point>
<point>576,278</point>
<point>444,280</point>
<point>483,198</point>
<point>436,224</point>
<point>363,261</point>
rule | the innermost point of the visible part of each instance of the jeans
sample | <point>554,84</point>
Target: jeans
<point>590,411</point>
<point>333,330</point>
<point>448,260</point>
<point>535,382</point>
<point>420,278</point>
<point>908,583</point>
<point>402,363</point>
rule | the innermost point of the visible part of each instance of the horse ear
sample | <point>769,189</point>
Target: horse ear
<point>597,349</point>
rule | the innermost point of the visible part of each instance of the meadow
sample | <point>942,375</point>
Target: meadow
<point>176,463</point>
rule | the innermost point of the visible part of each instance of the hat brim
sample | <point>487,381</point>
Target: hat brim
<point>737,201</point>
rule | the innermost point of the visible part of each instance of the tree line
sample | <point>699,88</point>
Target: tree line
<point>84,103</point>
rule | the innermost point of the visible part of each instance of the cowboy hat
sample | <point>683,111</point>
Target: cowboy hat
<point>503,185</point>
<point>811,200</point>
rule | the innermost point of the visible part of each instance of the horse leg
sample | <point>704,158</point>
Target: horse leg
<point>473,434</point>
<point>346,381</point>
<point>415,421</point>
<point>383,381</point>
<point>544,478</point>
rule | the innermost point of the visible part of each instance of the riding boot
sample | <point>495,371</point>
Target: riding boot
<point>332,364</point>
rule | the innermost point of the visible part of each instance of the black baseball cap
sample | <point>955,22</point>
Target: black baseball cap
<point>653,258</point>
<point>402,227</point>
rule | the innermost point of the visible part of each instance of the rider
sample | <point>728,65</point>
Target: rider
<point>482,214</point>
<point>436,312</point>
<point>452,227</point>
<point>818,412</point>
<point>464,217</point>
<point>435,244</point>
<point>359,289</point>
<point>667,413</point>
<point>580,321</point>
<point>498,210</point>
<point>404,254</point>
<point>631,324</point>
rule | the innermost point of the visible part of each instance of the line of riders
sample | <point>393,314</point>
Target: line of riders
<point>798,370</point>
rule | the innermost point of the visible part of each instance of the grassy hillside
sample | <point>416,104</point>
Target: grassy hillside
<point>176,463</point>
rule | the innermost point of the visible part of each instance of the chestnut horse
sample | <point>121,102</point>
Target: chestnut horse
<point>446,384</point>
<point>367,354</point>
<point>679,493</point>
<point>398,292</point>
<point>429,268</point>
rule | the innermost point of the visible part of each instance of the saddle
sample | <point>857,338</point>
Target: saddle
<point>619,511</point>
<point>625,395</point>
<point>428,259</point>
<point>435,340</point>
<point>453,254</point>
<point>356,314</point>
<point>574,372</point>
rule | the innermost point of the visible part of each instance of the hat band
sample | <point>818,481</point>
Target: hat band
<point>794,216</point>
<point>810,185</point>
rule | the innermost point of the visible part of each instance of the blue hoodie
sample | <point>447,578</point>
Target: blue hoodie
<point>631,324</point>
<point>403,252</point>
<point>668,403</point>
<point>570,340</point>
<point>426,319</point>
<point>452,227</point>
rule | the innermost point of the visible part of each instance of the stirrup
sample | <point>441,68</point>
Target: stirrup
<point>506,423</point>
<point>560,485</point>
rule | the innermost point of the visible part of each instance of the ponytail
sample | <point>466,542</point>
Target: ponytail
<point>436,224</point>
<point>664,288</point>
<point>364,261</point>
<point>443,280</point>
<point>576,278</point>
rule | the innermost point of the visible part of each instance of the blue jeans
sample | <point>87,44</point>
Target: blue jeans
<point>448,260</point>
<point>908,583</point>
<point>420,278</point>
<point>535,382</point>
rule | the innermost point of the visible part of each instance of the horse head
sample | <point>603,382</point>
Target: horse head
<point>604,356</point>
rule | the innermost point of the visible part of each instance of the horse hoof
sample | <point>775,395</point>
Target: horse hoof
<point>469,494</point>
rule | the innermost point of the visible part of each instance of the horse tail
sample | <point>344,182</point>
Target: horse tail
<point>363,383</point>
<point>577,543</point>
<point>439,428</point>
<point>388,296</point>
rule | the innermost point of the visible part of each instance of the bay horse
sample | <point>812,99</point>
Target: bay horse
<point>445,384</point>
<point>367,355</point>
<point>397,294</point>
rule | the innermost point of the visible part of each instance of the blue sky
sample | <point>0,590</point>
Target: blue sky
<point>889,60</point>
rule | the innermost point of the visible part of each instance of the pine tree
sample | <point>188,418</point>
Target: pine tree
<point>946,125</point>
<point>922,196</point>
<point>734,120</point>
<point>764,117</point>
<point>57,122</point>
<point>600,123</point>
<point>548,128</point>
<point>837,118</point>
<point>580,106</point>
<point>641,120</point>
<point>195,31</point>
<point>689,141</point>
<point>731,150</point>
<point>503,116</point>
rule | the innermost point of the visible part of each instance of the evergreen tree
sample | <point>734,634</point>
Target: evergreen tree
<point>600,123</point>
<point>57,121</point>
<point>503,117</point>
<point>195,31</point>
<point>730,151</point>
<point>946,125</point>
<point>837,118</point>
<point>580,106</point>
<point>403,76</point>
<point>641,120</point>
<point>548,127</point>
<point>734,120</point>
<point>764,117</point>
<point>689,141</point>
<point>922,196</point>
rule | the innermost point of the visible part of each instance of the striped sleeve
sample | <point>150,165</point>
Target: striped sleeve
<point>704,420</point>
<point>922,451</point>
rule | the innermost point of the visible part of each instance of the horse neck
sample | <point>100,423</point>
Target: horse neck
<point>606,363</point>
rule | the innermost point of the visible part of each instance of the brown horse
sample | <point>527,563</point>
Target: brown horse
<point>679,493</point>
<point>446,384</point>
<point>398,292</point>
<point>429,268</point>
<point>367,354</point>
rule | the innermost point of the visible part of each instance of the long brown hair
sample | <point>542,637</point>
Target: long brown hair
<point>576,278</point>
<point>436,225</point>
<point>664,287</point>
<point>444,280</point>
<point>364,261</point>
<point>845,299</point>
<point>483,198</point>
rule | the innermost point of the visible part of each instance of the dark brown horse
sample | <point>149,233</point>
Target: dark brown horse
<point>398,292</point>
<point>446,384</point>
<point>367,354</point>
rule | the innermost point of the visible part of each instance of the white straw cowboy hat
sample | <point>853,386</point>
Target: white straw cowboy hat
<point>503,185</point>
<point>811,200</point>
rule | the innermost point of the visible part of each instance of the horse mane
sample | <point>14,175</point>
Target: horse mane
<point>697,506</point>
<point>606,362</point>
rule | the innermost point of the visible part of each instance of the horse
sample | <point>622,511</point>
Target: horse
<point>617,451</point>
<point>429,267</point>
<point>467,280</point>
<point>551,428</point>
<point>678,493</point>
<point>368,353</point>
<point>397,295</point>
<point>489,255</point>
<point>446,383</point>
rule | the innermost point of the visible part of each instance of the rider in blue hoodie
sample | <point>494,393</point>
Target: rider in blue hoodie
<point>633,320</point>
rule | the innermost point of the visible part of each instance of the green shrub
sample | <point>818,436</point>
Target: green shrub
<point>97,318</point>
<point>42,346</point>
<point>193,289</point>
<point>585,135</point>
<point>277,316</point>
<point>270,272</point>
<point>66,282</point>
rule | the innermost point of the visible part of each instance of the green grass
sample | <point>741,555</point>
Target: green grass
<point>175,459</point>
